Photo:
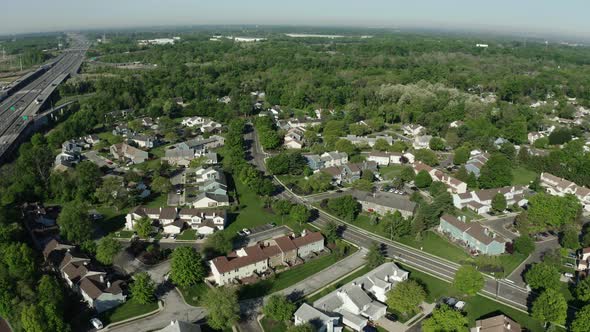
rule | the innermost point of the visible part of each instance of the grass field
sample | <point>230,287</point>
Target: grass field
<point>189,234</point>
<point>477,306</point>
<point>287,278</point>
<point>127,310</point>
<point>522,176</point>
<point>269,325</point>
<point>390,172</point>
<point>194,294</point>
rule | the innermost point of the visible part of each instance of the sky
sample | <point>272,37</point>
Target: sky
<point>535,17</point>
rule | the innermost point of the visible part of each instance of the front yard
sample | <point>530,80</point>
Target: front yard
<point>194,294</point>
<point>126,310</point>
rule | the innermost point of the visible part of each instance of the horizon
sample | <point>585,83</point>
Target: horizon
<point>527,18</point>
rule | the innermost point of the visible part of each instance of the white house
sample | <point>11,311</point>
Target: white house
<point>172,220</point>
<point>320,321</point>
<point>421,142</point>
<point>412,129</point>
<point>455,185</point>
<point>362,299</point>
<point>560,187</point>
<point>334,158</point>
<point>209,200</point>
<point>480,201</point>
<point>294,139</point>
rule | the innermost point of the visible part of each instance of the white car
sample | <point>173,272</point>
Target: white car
<point>246,231</point>
<point>96,323</point>
<point>460,305</point>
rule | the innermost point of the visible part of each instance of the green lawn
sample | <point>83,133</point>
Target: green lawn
<point>477,306</point>
<point>269,325</point>
<point>126,310</point>
<point>364,270</point>
<point>522,176</point>
<point>194,294</point>
<point>390,172</point>
<point>112,220</point>
<point>189,234</point>
<point>288,278</point>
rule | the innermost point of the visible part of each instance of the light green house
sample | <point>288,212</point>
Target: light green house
<point>472,234</point>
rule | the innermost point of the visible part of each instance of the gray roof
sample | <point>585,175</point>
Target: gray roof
<point>385,199</point>
<point>312,315</point>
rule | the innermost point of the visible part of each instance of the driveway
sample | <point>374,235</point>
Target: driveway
<point>174,309</point>
<point>540,249</point>
<point>125,262</point>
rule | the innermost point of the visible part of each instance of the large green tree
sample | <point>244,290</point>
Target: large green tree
<point>580,323</point>
<point>550,306</point>
<point>74,222</point>
<point>106,249</point>
<point>542,276</point>
<point>187,267</point>
<point>496,173</point>
<point>346,207</point>
<point>222,304</point>
<point>375,256</point>
<point>143,288</point>
<point>551,212</point>
<point>279,308</point>
<point>445,319</point>
<point>406,296</point>
<point>468,280</point>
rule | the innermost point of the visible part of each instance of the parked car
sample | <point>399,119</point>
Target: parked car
<point>96,323</point>
<point>246,231</point>
<point>241,233</point>
<point>460,305</point>
<point>569,265</point>
<point>451,301</point>
<point>568,275</point>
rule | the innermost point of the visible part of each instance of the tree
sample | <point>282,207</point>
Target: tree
<point>426,156</point>
<point>461,156</point>
<point>88,177</point>
<point>374,257</point>
<point>423,179</point>
<point>18,259</point>
<point>331,232</point>
<point>281,207</point>
<point>363,185</point>
<point>143,289</point>
<point>110,191</point>
<point>279,308</point>
<point>550,306</point>
<point>347,146</point>
<point>560,136</point>
<point>143,227</point>
<point>445,319</point>
<point>582,290</point>
<point>300,214</point>
<point>381,145</point>
<point>345,207</point>
<point>580,323</point>
<point>395,225</point>
<point>106,249</point>
<point>499,202</point>
<point>220,243</point>
<point>32,319</point>
<point>496,173</point>
<point>51,300</point>
<point>74,222</point>
<point>569,238</point>
<point>406,296</point>
<point>407,174</point>
<point>161,184</point>
<point>437,144</point>
<point>468,280</point>
<point>542,276</point>
<point>222,304</point>
<point>524,245</point>
<point>187,267</point>
<point>551,212</point>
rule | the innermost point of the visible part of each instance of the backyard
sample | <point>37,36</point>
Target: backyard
<point>522,176</point>
<point>289,277</point>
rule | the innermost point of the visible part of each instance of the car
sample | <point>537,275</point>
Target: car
<point>246,231</point>
<point>568,275</point>
<point>569,265</point>
<point>460,305</point>
<point>241,233</point>
<point>572,255</point>
<point>174,236</point>
<point>451,301</point>
<point>96,323</point>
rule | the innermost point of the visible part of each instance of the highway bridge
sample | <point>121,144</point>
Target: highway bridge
<point>22,101</point>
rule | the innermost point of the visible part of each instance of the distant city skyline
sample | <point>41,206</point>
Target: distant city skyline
<point>534,17</point>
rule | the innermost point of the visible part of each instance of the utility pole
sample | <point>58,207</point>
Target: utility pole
<point>21,62</point>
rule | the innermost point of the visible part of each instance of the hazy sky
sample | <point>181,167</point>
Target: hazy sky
<point>537,16</point>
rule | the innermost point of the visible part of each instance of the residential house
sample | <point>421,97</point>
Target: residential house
<point>387,158</point>
<point>128,153</point>
<point>314,161</point>
<point>334,158</point>
<point>172,220</point>
<point>362,300</point>
<point>208,200</point>
<point>79,274</point>
<point>91,139</point>
<point>366,140</point>
<point>500,141</point>
<point>535,135</point>
<point>320,322</point>
<point>455,185</point>
<point>180,326</point>
<point>499,323</point>
<point>471,234</point>
<point>560,187</point>
<point>121,130</point>
<point>307,123</point>
<point>257,259</point>
<point>193,121</point>
<point>583,265</point>
<point>142,141</point>
<point>294,139</point>
<point>412,129</point>
<point>384,202</point>
<point>147,122</point>
<point>344,174</point>
<point>421,142</point>
<point>179,157</point>
<point>480,201</point>
<point>476,162</point>
<point>224,99</point>
<point>456,124</point>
